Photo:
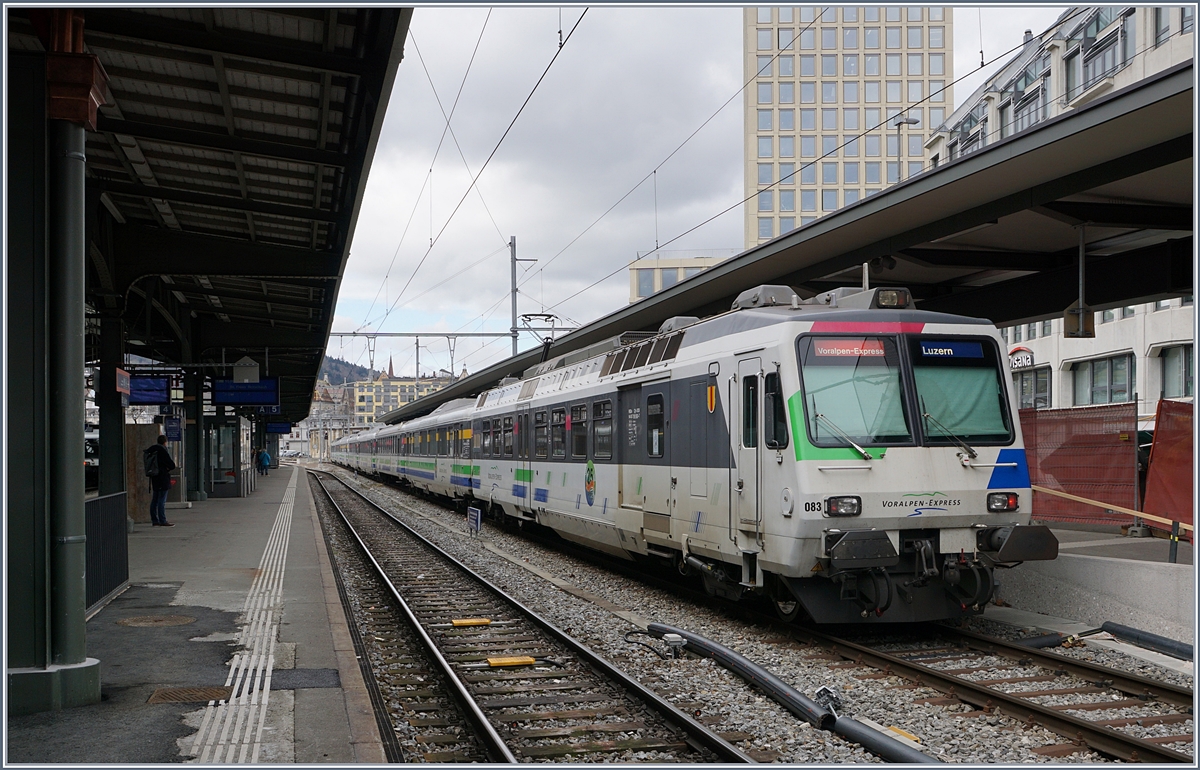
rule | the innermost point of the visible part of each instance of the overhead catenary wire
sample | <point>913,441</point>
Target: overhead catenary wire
<point>491,155</point>
<point>805,165</point>
<point>429,177</point>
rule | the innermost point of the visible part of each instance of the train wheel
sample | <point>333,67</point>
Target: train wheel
<point>787,609</point>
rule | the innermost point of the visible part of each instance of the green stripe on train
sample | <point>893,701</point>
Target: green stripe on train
<point>465,470</point>
<point>804,448</point>
<point>522,475</point>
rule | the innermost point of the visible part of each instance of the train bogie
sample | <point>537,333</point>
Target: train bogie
<point>847,457</point>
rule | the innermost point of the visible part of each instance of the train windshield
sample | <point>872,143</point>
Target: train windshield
<point>960,387</point>
<point>852,390</point>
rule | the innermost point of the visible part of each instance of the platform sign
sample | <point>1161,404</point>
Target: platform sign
<point>265,392</point>
<point>270,409</point>
<point>474,520</point>
<point>122,381</point>
<point>173,427</point>
<point>149,391</point>
<point>279,427</point>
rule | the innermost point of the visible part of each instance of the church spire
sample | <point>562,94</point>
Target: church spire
<point>391,375</point>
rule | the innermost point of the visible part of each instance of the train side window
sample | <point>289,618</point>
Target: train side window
<point>541,435</point>
<point>486,440</point>
<point>630,358</point>
<point>602,429</point>
<point>750,411</point>
<point>673,346</point>
<point>774,412</point>
<point>579,430</point>
<point>660,347</point>
<point>643,354</point>
<point>522,437</point>
<point>508,437</point>
<point>441,443</point>
<point>558,432</point>
<point>656,421</point>
<point>497,445</point>
<point>612,362</point>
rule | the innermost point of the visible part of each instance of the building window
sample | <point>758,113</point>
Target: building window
<point>871,14</point>
<point>850,92</point>
<point>807,67</point>
<point>936,14</point>
<point>916,64</point>
<point>871,92</point>
<point>786,38</point>
<point>787,66</point>
<point>764,173</point>
<point>850,38</point>
<point>764,15</point>
<point>1162,25</point>
<point>916,91</point>
<point>829,200</point>
<point>808,200</point>
<point>785,15</point>
<point>871,64</point>
<point>1162,304</point>
<point>850,65</point>
<point>808,120</point>
<point>808,39</point>
<point>1004,334</point>
<point>871,37</point>
<point>829,120</point>
<point>850,173</point>
<point>766,227</point>
<point>1178,372</point>
<point>937,37</point>
<point>871,173</point>
<point>1033,388</point>
<point>1127,311</point>
<point>849,15</point>
<point>1016,334</point>
<point>1106,316</point>
<point>808,93</point>
<point>786,224</point>
<point>1101,61</point>
<point>764,66</point>
<point>893,14</point>
<point>937,116</point>
<point>766,120</point>
<point>806,13</point>
<point>1047,328</point>
<point>764,93</point>
<point>787,200</point>
<point>766,200</point>
<point>1103,380</point>
<point>1187,19</point>
<point>765,147</point>
<point>893,90</point>
<point>829,173</point>
<point>808,146</point>
<point>645,282</point>
<point>893,146</point>
<point>808,174</point>
<point>1029,111</point>
<point>915,37</point>
<point>670,277</point>
<point>1031,332</point>
<point>829,145</point>
<point>914,14</point>
<point>828,38</point>
<point>764,40</point>
<point>850,119</point>
<point>787,93</point>
<point>787,120</point>
<point>892,37</point>
<point>828,93</point>
<point>787,173</point>
<point>787,146</point>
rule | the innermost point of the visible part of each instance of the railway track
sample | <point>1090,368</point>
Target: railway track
<point>1115,713</point>
<point>994,675</point>
<point>522,690</point>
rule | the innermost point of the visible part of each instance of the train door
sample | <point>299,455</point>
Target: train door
<point>658,486</point>
<point>630,452</point>
<point>748,437</point>
<point>522,470</point>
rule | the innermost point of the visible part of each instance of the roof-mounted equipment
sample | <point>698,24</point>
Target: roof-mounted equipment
<point>891,298</point>
<point>767,295</point>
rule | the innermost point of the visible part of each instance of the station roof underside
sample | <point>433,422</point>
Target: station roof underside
<point>225,176</point>
<point>994,234</point>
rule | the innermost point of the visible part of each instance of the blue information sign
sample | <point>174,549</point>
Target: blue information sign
<point>951,349</point>
<point>173,426</point>
<point>265,392</point>
<point>270,410</point>
<point>474,519</point>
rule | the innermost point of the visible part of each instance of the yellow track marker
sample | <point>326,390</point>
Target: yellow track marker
<point>471,622</point>
<point>905,733</point>
<point>516,660</point>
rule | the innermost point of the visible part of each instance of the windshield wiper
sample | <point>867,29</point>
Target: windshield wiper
<point>841,433</point>
<point>971,453</point>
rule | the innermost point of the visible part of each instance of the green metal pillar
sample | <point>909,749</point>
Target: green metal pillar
<point>47,664</point>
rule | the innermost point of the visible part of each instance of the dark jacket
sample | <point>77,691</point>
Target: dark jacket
<point>165,465</point>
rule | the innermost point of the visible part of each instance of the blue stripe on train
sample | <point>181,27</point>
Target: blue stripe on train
<point>465,481</point>
<point>427,475</point>
<point>1010,478</point>
<point>520,490</point>
<point>541,495</point>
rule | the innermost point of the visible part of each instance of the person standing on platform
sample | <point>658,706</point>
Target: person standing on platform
<point>265,460</point>
<point>158,468</point>
<point>258,461</point>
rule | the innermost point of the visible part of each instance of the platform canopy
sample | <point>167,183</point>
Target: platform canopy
<point>226,175</point>
<point>993,234</point>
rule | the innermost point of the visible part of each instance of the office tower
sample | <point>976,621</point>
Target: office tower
<point>828,87</point>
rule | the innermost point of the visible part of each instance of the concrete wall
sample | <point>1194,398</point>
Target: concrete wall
<point>1154,597</point>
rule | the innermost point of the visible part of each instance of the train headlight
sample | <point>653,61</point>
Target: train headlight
<point>1001,502</point>
<point>891,298</point>
<point>843,506</point>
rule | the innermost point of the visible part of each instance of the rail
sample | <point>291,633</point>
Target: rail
<point>107,549</point>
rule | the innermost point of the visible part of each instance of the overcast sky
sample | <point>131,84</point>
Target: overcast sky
<point>626,90</point>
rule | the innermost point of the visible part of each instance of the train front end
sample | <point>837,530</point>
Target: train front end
<point>913,487</point>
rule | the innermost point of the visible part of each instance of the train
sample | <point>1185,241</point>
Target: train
<point>846,457</point>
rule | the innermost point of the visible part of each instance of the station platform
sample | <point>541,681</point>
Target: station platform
<point>238,594</point>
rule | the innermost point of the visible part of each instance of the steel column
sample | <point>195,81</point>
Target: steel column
<point>193,435</point>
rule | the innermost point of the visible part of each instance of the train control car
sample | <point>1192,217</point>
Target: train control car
<point>849,457</point>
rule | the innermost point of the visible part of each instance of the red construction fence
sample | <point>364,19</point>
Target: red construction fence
<point>1085,451</point>
<point>1170,483</point>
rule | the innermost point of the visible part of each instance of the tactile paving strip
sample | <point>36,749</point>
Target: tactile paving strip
<point>189,694</point>
<point>155,621</point>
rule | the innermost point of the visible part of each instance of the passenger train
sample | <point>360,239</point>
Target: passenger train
<point>848,457</point>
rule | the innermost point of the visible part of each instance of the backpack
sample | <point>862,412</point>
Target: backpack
<point>150,461</point>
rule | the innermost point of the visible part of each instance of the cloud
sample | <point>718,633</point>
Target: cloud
<point>625,91</point>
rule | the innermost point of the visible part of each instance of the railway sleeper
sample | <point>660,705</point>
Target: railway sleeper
<point>604,747</point>
<point>543,716</point>
<point>571,732</point>
<point>509,703</point>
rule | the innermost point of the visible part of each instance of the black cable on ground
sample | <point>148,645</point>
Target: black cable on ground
<point>1181,650</point>
<point>791,699</point>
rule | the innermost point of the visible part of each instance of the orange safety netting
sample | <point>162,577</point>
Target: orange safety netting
<point>1169,482</point>
<point>1088,452</point>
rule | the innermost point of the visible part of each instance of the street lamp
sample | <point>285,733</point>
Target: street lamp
<point>902,120</point>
